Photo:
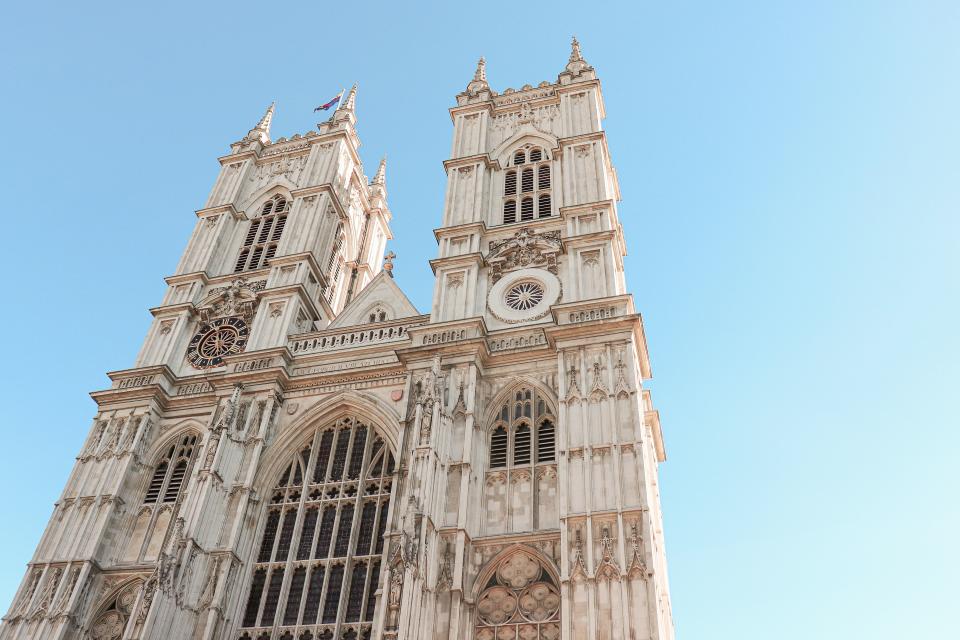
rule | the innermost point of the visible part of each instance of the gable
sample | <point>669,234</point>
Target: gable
<point>382,295</point>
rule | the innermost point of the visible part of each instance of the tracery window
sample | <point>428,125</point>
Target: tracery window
<point>260,243</point>
<point>317,567</point>
<point>161,499</point>
<point>521,600</point>
<point>531,169</point>
<point>524,431</point>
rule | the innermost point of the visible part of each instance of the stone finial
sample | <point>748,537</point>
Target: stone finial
<point>479,82</point>
<point>381,176</point>
<point>388,262</point>
<point>261,131</point>
<point>577,64</point>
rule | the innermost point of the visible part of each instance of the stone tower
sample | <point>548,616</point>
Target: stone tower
<point>298,454</point>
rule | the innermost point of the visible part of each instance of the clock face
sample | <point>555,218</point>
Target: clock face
<point>216,339</point>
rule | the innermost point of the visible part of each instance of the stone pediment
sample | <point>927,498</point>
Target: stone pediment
<point>382,298</point>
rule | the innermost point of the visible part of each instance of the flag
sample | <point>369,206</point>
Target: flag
<point>324,107</point>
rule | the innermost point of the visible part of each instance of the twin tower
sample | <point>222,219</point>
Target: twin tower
<point>299,454</point>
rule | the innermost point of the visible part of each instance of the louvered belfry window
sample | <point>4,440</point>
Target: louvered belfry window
<point>530,171</point>
<point>260,243</point>
<point>317,564</point>
<point>161,500</point>
<point>334,266</point>
<point>523,432</point>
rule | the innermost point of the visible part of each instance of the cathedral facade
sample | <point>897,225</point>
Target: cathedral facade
<point>299,454</point>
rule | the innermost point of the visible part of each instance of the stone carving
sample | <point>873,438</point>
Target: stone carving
<point>445,577</point>
<point>578,572</point>
<point>526,248</point>
<point>239,298</point>
<point>637,567</point>
<point>622,389</point>
<point>497,605</point>
<point>288,167</point>
<point>539,602</point>
<point>518,571</point>
<point>573,388</point>
<point>607,569</point>
<point>109,626</point>
<point>599,390</point>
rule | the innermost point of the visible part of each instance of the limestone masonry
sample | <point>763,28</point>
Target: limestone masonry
<point>299,454</point>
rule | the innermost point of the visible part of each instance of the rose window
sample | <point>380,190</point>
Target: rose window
<point>524,296</point>
<point>521,602</point>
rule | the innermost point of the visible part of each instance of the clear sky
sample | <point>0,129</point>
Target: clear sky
<point>789,173</point>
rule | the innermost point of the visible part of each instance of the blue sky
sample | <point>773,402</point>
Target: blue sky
<point>789,173</point>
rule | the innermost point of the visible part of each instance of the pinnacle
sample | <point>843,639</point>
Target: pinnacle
<point>480,75</point>
<point>351,102</point>
<point>575,55</point>
<point>261,130</point>
<point>381,175</point>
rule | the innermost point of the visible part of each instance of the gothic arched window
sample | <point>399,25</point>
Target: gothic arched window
<point>334,263</point>
<point>533,169</point>
<point>523,433</point>
<point>317,565</point>
<point>521,599</point>
<point>260,243</point>
<point>161,499</point>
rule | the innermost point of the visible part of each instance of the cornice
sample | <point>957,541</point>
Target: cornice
<point>457,229</point>
<point>484,158</point>
<point>465,259</point>
<point>223,208</point>
<point>171,309</point>
<point>599,317</point>
<point>457,336</point>
<point>479,107</point>
<point>249,154</point>
<point>185,278</point>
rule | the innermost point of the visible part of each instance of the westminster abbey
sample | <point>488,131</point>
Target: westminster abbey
<point>298,453</point>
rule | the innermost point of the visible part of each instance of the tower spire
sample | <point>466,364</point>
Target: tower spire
<point>261,131</point>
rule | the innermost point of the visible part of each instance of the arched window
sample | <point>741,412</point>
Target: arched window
<point>543,205</point>
<point>526,209</point>
<point>322,540</point>
<point>160,502</point>
<point>260,243</point>
<point>521,597</point>
<point>334,263</point>
<point>523,427</point>
<point>510,184</point>
<point>509,211</point>
<point>534,176</point>
<point>498,448</point>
